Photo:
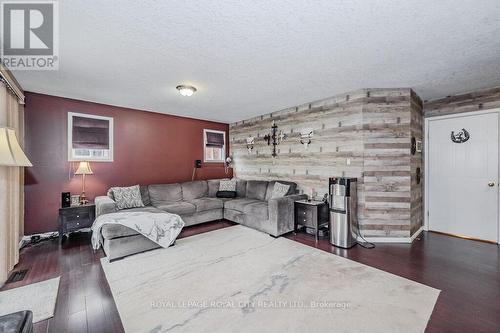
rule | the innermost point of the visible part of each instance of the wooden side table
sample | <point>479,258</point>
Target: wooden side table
<point>311,214</point>
<point>75,218</point>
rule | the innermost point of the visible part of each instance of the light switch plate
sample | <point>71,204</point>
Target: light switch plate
<point>419,146</point>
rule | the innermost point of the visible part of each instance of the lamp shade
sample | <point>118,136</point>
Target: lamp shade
<point>11,153</point>
<point>84,169</point>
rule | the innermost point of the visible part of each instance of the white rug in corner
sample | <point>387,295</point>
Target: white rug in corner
<point>240,280</point>
<point>38,297</point>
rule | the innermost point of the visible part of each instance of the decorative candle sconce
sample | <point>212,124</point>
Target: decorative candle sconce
<point>275,138</point>
<point>305,137</point>
<point>250,143</point>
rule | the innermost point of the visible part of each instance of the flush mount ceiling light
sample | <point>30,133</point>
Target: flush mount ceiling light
<point>186,90</point>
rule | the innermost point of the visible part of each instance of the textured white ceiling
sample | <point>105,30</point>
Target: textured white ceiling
<point>253,57</point>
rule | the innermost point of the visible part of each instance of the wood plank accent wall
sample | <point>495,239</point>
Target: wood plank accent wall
<point>467,102</point>
<point>417,161</point>
<point>364,134</point>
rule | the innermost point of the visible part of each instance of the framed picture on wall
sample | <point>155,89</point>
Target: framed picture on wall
<point>90,138</point>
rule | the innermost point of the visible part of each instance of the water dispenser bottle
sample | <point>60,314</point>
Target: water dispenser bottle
<point>343,211</point>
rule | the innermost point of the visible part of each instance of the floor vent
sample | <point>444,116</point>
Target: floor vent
<point>17,276</point>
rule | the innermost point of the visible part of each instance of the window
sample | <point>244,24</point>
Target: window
<point>90,138</point>
<point>214,144</point>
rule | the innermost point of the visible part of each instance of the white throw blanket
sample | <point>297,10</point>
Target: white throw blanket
<point>161,228</point>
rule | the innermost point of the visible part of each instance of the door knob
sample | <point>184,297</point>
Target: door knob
<point>491,184</point>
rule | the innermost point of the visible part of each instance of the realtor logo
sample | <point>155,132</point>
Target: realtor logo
<point>30,35</point>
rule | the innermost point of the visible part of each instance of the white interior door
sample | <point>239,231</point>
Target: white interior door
<point>463,177</point>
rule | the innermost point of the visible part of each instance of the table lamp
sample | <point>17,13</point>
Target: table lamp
<point>83,169</point>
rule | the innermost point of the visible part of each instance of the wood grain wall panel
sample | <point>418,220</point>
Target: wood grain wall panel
<point>364,134</point>
<point>386,124</point>
<point>417,192</point>
<point>467,102</point>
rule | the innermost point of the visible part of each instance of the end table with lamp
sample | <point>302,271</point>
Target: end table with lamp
<point>81,216</point>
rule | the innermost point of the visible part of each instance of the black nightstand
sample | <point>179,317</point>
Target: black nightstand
<point>311,214</point>
<point>75,218</point>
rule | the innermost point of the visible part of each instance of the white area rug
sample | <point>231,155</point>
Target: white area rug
<point>39,297</point>
<point>240,280</point>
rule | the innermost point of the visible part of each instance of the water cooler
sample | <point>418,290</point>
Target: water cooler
<point>343,211</point>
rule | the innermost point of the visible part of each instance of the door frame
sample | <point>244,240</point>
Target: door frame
<point>427,122</point>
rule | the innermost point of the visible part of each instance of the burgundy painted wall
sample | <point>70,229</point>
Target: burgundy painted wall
<point>148,148</point>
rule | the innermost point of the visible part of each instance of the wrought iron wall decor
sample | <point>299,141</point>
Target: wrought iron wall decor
<point>250,143</point>
<point>460,137</point>
<point>274,138</point>
<point>305,137</point>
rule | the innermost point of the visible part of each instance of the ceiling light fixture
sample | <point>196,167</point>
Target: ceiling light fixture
<point>186,90</point>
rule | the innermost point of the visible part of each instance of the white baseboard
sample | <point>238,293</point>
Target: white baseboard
<point>417,233</point>
<point>406,240</point>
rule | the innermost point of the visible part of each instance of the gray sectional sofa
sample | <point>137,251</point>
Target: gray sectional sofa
<point>196,202</point>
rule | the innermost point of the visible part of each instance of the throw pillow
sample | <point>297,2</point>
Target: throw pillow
<point>279,190</point>
<point>226,194</point>
<point>128,197</point>
<point>110,193</point>
<point>227,185</point>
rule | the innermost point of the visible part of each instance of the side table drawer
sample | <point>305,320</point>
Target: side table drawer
<point>304,216</point>
<point>76,225</point>
<point>76,216</point>
<point>75,212</point>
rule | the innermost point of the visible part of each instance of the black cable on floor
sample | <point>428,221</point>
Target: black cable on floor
<point>364,245</point>
<point>38,239</point>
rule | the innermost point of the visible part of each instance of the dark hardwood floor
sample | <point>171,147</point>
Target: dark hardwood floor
<point>467,272</point>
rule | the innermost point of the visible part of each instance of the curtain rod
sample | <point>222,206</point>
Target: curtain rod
<point>11,83</point>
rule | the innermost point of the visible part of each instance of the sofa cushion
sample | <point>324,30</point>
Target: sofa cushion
<point>241,188</point>
<point>110,231</point>
<point>270,188</point>
<point>256,189</point>
<point>227,185</point>
<point>279,190</point>
<point>145,195</point>
<point>203,204</point>
<point>179,208</point>
<point>239,204</point>
<point>258,210</point>
<point>163,193</point>
<point>127,197</point>
<point>149,209</point>
<point>213,187</point>
<point>194,190</point>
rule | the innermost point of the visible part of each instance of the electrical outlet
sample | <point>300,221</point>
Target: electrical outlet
<point>348,161</point>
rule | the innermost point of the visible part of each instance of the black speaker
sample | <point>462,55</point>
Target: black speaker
<point>65,199</point>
